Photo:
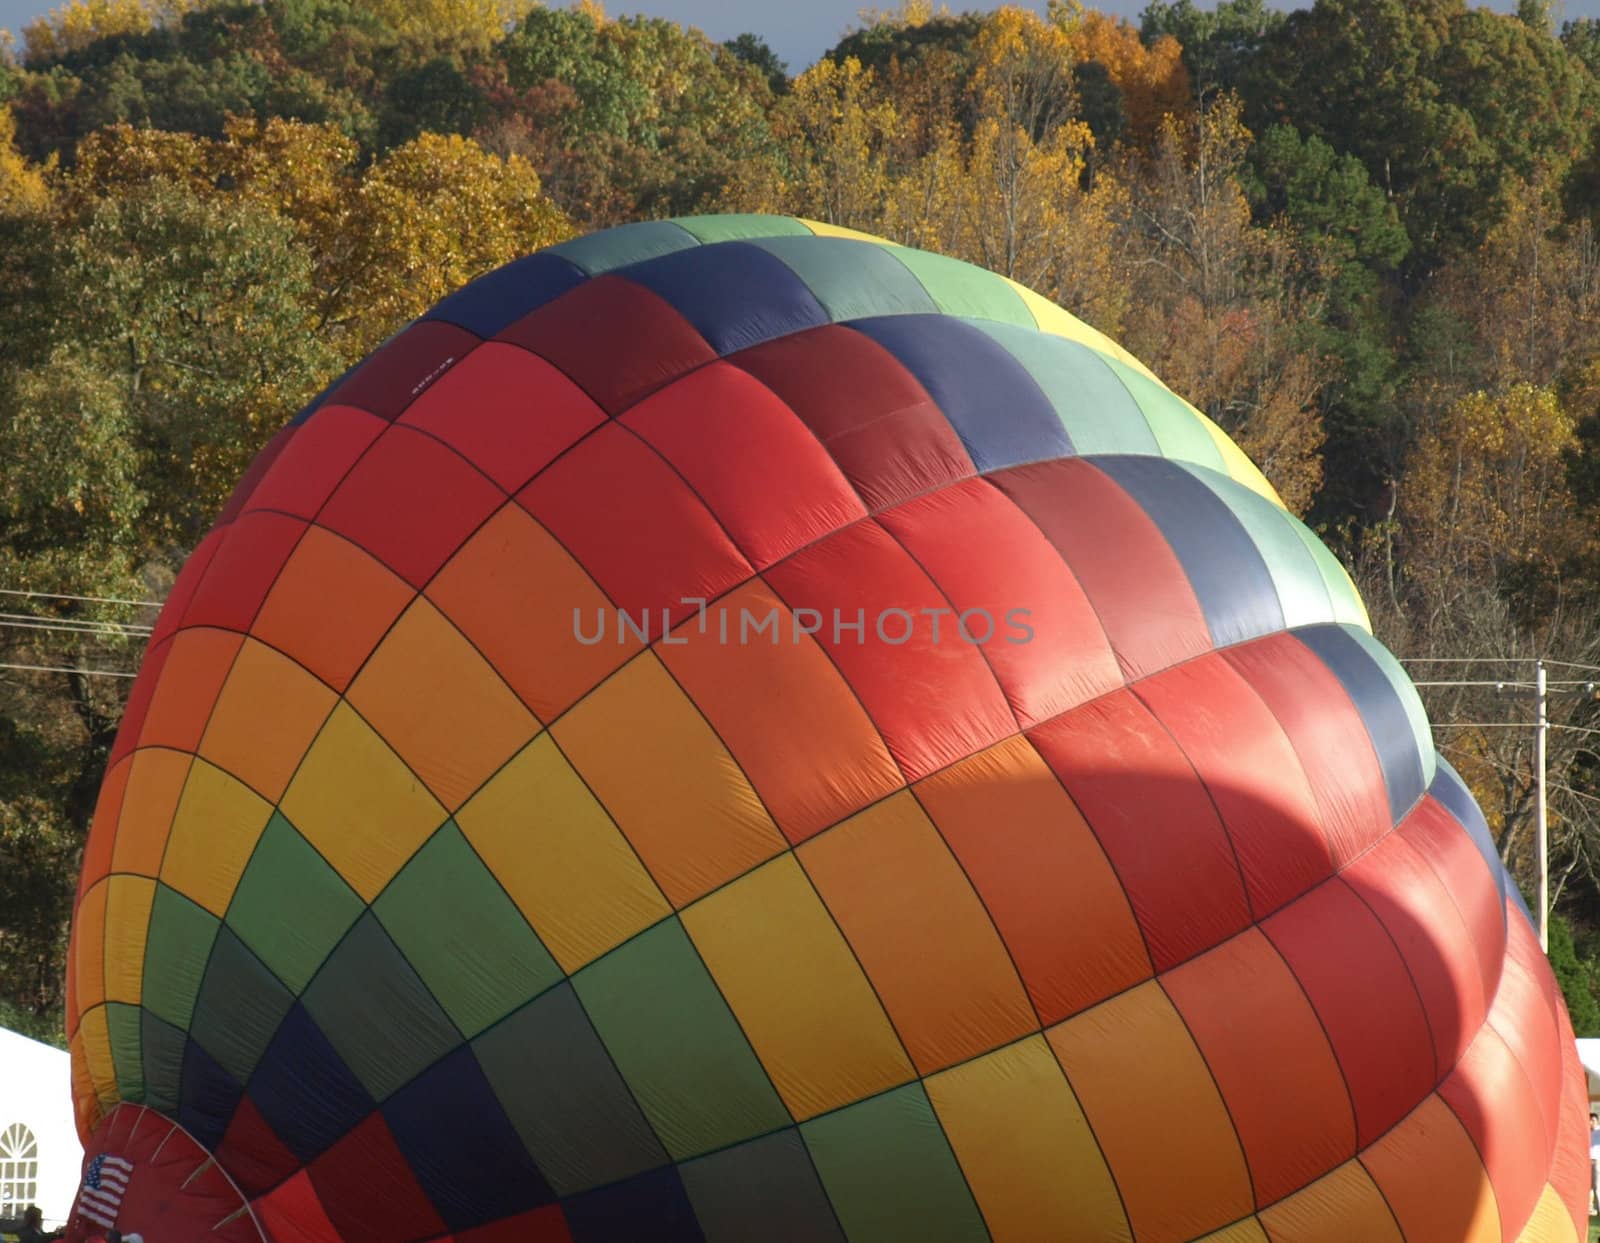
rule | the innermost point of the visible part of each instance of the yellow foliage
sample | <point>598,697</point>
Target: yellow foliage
<point>77,24</point>
<point>473,20</point>
<point>1153,81</point>
<point>838,130</point>
<point>23,186</point>
<point>1024,72</point>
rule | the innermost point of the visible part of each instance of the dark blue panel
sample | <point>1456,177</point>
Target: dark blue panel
<point>649,1208</point>
<point>1227,572</point>
<point>208,1098</point>
<point>735,294</point>
<point>1450,790</point>
<point>304,1090</point>
<point>767,1189</point>
<point>1380,707</point>
<point>461,1146</point>
<point>1000,413</point>
<point>505,295</point>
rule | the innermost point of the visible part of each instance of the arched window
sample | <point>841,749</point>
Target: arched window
<point>19,1170</point>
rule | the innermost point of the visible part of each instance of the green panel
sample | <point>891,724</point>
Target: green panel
<point>241,1005</point>
<point>1403,687</point>
<point>1097,410</point>
<point>1295,572</point>
<point>127,1049</point>
<point>1180,435</point>
<point>967,291</point>
<point>737,227</point>
<point>482,960</point>
<point>1347,606</point>
<point>376,1012</point>
<point>291,907</point>
<point>629,243</point>
<point>890,1173</point>
<point>677,1044</point>
<point>853,279</point>
<point>163,1062</point>
<point>175,954</point>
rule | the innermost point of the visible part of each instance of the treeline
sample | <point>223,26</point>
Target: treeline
<point>1360,236</point>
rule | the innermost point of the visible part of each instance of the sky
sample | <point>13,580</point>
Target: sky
<point>798,30</point>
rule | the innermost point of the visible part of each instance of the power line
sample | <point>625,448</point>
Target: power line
<point>93,673</point>
<point>17,621</point>
<point>52,595</point>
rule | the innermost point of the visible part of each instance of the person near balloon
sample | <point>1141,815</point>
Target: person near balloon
<point>33,1227</point>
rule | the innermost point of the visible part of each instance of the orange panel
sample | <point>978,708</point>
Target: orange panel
<point>667,781</point>
<point>97,850</point>
<point>520,597</point>
<point>439,705</point>
<point>785,712</point>
<point>1337,1208</point>
<point>1157,1114</point>
<point>194,673</point>
<point>269,711</point>
<point>1041,874</point>
<point>920,931</point>
<point>330,606</point>
<point>1430,1174</point>
<point>1271,1059</point>
<point>155,783</point>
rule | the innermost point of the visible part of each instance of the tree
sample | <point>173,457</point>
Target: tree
<point>1218,45</point>
<point>753,50</point>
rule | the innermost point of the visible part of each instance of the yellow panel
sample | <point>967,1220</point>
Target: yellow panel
<point>218,822</point>
<point>1550,1222</point>
<point>559,856</point>
<point>96,1036</point>
<point>357,803</point>
<point>797,990</point>
<point>1249,1231</point>
<point>85,1104</point>
<point>155,783</point>
<point>822,229</point>
<point>669,783</point>
<point>1240,467</point>
<point>127,923</point>
<point>1061,323</point>
<point>89,945</point>
<point>1026,1148</point>
<point>1343,1205</point>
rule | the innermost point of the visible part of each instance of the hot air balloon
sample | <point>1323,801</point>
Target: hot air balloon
<point>731,729</point>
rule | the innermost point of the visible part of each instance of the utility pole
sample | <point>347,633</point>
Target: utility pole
<point>1542,729</point>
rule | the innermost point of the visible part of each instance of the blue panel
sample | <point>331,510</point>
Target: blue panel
<point>1450,790</point>
<point>1002,416</point>
<point>461,1146</point>
<point>610,249</point>
<point>208,1099</point>
<point>1380,707</point>
<point>650,1208</point>
<point>736,294</point>
<point>766,1189</point>
<point>304,1090</point>
<point>508,293</point>
<point>1229,576</point>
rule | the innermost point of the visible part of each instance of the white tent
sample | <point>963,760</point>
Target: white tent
<point>40,1156</point>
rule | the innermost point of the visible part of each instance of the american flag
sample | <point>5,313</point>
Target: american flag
<point>103,1185</point>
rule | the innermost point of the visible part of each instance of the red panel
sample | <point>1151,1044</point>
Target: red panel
<point>324,449</point>
<point>1251,773</point>
<point>507,411</point>
<point>184,587</point>
<point>582,331</point>
<point>1328,735</point>
<point>1439,839</point>
<point>293,1214</point>
<point>1142,799</point>
<point>887,435</point>
<point>242,572</point>
<point>1127,568</point>
<point>1524,1016</point>
<point>1569,1170</point>
<point>369,1191</point>
<point>1494,1100</point>
<point>400,370</point>
<point>1408,897</point>
<point>258,467</point>
<point>933,702</point>
<point>1357,982</point>
<point>139,697</point>
<point>411,502</point>
<point>985,554</point>
<point>651,543</point>
<point>750,459</point>
<point>252,1153</point>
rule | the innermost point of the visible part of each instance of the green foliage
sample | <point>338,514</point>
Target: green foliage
<point>1219,44</point>
<point>1577,976</point>
<point>753,50</point>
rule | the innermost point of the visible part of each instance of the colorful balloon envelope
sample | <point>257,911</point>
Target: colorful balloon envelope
<point>730,729</point>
